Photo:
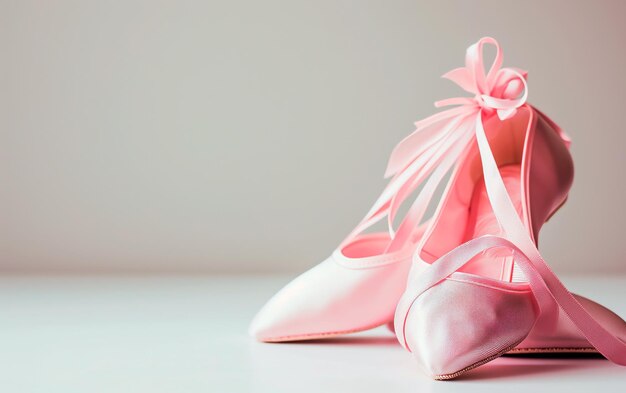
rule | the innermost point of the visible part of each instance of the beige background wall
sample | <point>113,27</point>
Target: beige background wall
<point>250,136</point>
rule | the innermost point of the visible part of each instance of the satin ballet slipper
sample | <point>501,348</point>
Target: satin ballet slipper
<point>478,287</point>
<point>359,285</point>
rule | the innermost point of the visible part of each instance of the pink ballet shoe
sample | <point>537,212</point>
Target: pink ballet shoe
<point>478,287</point>
<point>359,285</point>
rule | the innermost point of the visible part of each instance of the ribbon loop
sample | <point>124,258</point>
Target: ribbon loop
<point>500,90</point>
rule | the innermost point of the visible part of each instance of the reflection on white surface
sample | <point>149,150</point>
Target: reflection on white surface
<point>188,334</point>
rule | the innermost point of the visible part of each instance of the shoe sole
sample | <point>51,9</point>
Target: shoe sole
<point>445,377</point>
<point>316,336</point>
<point>513,350</point>
<point>553,350</point>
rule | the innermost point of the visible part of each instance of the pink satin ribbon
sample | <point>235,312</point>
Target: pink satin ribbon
<point>426,155</point>
<point>437,144</point>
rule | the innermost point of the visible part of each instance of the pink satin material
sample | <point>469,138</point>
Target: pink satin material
<point>359,285</point>
<point>472,312</point>
<point>439,144</point>
<point>347,292</point>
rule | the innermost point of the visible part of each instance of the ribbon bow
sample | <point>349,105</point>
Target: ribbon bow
<point>502,90</point>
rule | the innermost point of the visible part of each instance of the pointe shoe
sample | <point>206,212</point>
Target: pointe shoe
<point>478,287</point>
<point>359,285</point>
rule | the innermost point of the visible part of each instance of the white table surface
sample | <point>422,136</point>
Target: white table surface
<point>188,334</point>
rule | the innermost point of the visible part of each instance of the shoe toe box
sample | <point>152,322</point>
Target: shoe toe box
<point>329,300</point>
<point>457,325</point>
